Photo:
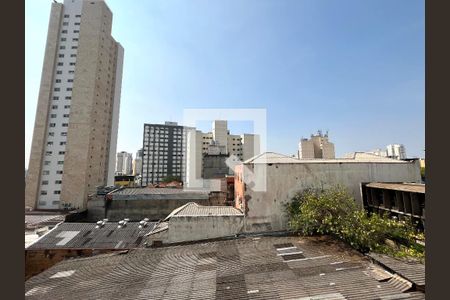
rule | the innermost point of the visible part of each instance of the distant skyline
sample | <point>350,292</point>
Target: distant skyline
<point>355,68</point>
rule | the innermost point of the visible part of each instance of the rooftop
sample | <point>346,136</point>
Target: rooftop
<point>33,221</point>
<point>246,268</point>
<point>192,209</point>
<point>276,158</point>
<point>87,236</point>
<point>158,193</point>
<point>404,187</point>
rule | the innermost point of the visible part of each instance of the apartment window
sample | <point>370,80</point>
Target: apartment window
<point>73,55</point>
<point>75,39</point>
<point>78,16</point>
<point>51,134</point>
<point>72,71</point>
<point>68,97</point>
<point>55,202</point>
<point>77,23</point>
<point>58,181</point>
<point>48,153</point>
<point>66,115</point>
<point>68,89</point>
<point>52,124</point>
<point>55,98</point>
<point>65,23</point>
<point>60,162</point>
<point>72,64</point>
<point>54,106</point>
<point>58,72</point>
<point>56,89</point>
<point>60,64</point>
<point>66,16</point>
<point>59,172</point>
<point>43,193</point>
<point>76,31</point>
<point>49,143</point>
<point>62,152</point>
<point>64,31</point>
<point>63,133</point>
<point>62,47</point>
<point>56,192</point>
<point>46,163</point>
<point>65,125</point>
<point>62,143</point>
<point>69,80</point>
<point>66,106</point>
<point>74,47</point>
<point>45,182</point>
<point>61,55</point>
<point>46,172</point>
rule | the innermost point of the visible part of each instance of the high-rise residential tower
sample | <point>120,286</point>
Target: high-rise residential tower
<point>396,151</point>
<point>317,147</point>
<point>124,163</point>
<point>75,132</point>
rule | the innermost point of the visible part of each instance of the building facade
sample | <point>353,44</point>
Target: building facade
<point>164,149</point>
<point>124,163</point>
<point>317,147</point>
<point>285,176</point>
<point>396,151</point>
<point>137,163</point>
<point>75,133</point>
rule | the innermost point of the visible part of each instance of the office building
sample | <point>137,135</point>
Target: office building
<point>75,132</point>
<point>317,147</point>
<point>164,149</point>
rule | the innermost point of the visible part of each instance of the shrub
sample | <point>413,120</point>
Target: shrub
<point>333,211</point>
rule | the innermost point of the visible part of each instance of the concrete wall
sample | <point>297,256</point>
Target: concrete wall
<point>182,229</point>
<point>265,211</point>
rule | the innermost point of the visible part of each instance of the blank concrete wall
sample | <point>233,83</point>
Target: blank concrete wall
<point>266,210</point>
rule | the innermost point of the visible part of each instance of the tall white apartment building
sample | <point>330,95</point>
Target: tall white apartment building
<point>124,163</point>
<point>243,146</point>
<point>217,142</point>
<point>317,147</point>
<point>396,151</point>
<point>75,132</point>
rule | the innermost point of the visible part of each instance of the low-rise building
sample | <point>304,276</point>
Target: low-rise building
<point>399,200</point>
<point>285,176</point>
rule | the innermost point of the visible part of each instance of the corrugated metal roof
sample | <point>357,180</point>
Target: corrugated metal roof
<point>404,187</point>
<point>156,191</point>
<point>86,236</point>
<point>276,158</point>
<point>42,220</point>
<point>413,271</point>
<point>192,209</point>
<point>247,268</point>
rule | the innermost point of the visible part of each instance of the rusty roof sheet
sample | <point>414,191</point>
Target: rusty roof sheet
<point>245,268</point>
<point>404,187</point>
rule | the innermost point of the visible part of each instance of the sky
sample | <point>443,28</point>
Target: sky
<point>354,68</point>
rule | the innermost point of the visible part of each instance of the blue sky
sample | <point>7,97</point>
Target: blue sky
<point>355,68</point>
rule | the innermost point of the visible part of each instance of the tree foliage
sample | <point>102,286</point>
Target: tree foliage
<point>333,211</point>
